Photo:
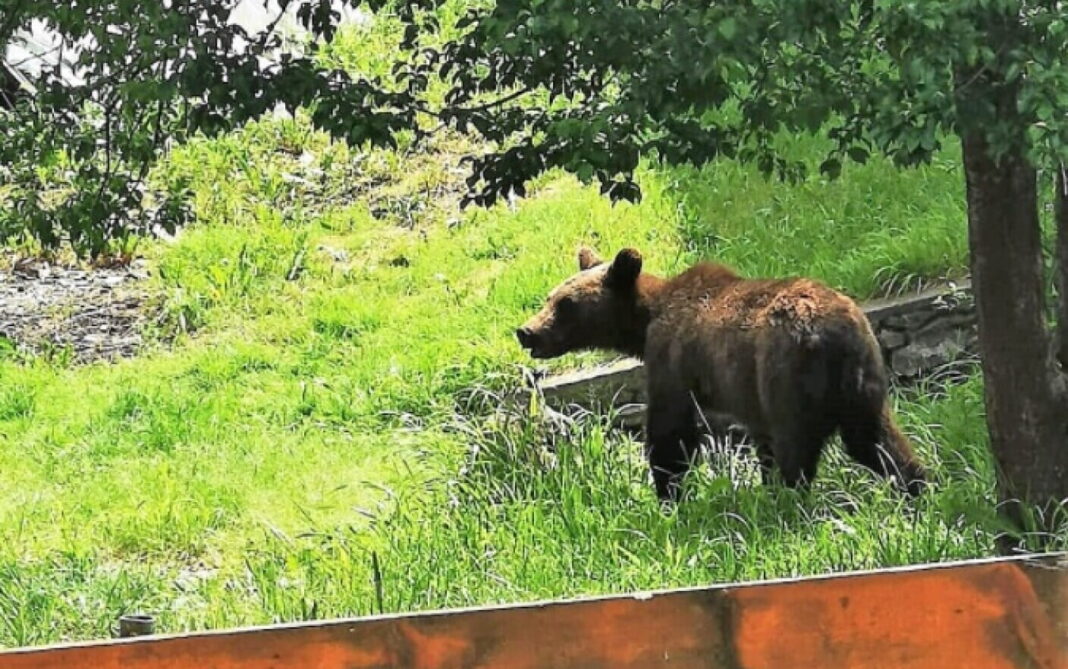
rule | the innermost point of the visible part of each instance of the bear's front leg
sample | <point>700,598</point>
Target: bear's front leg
<point>765,458</point>
<point>672,440</point>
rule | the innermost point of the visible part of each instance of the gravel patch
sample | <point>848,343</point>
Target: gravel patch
<point>95,314</point>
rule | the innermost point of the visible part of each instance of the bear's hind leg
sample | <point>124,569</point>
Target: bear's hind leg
<point>797,445</point>
<point>798,459</point>
<point>874,440</point>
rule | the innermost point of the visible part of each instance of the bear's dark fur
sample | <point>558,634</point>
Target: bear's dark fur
<point>790,359</point>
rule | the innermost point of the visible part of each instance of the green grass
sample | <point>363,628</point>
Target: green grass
<point>875,232</point>
<point>340,334</point>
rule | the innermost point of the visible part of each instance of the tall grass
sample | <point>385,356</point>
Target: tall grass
<point>529,509</point>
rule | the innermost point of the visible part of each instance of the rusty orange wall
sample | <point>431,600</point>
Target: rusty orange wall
<point>996,614</point>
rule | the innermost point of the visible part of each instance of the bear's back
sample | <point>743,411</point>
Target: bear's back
<point>711,295</point>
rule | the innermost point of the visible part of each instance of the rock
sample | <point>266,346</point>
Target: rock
<point>943,324</point>
<point>910,361</point>
<point>892,339</point>
<point>912,320</point>
<point>933,348</point>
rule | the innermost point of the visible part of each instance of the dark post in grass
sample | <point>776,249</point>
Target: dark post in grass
<point>136,624</point>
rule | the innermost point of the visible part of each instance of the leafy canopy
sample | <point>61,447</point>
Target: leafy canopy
<point>589,86</point>
<point>690,81</point>
<point>75,155</point>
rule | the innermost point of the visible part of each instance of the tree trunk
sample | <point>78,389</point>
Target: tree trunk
<point>1061,265</point>
<point>1027,411</point>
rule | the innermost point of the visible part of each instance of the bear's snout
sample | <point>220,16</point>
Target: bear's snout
<point>536,342</point>
<point>527,337</point>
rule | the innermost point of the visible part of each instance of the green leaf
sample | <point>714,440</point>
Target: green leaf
<point>728,28</point>
<point>858,154</point>
<point>831,168</point>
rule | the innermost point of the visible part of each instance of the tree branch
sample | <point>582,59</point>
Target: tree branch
<point>7,28</point>
<point>486,106</point>
<point>499,101</point>
<point>1061,257</point>
<point>106,177</point>
<point>986,67</point>
<point>261,43</point>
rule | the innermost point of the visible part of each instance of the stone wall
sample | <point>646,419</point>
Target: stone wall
<point>918,333</point>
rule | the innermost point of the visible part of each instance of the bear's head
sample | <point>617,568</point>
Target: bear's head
<point>596,308</point>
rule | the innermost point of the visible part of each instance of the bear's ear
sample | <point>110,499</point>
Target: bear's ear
<point>625,268</point>
<point>588,258</point>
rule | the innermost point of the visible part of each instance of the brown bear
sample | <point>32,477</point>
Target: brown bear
<point>791,360</point>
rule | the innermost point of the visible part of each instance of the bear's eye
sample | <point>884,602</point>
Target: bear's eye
<point>566,306</point>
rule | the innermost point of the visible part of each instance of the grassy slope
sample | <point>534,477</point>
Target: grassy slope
<point>248,473</point>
